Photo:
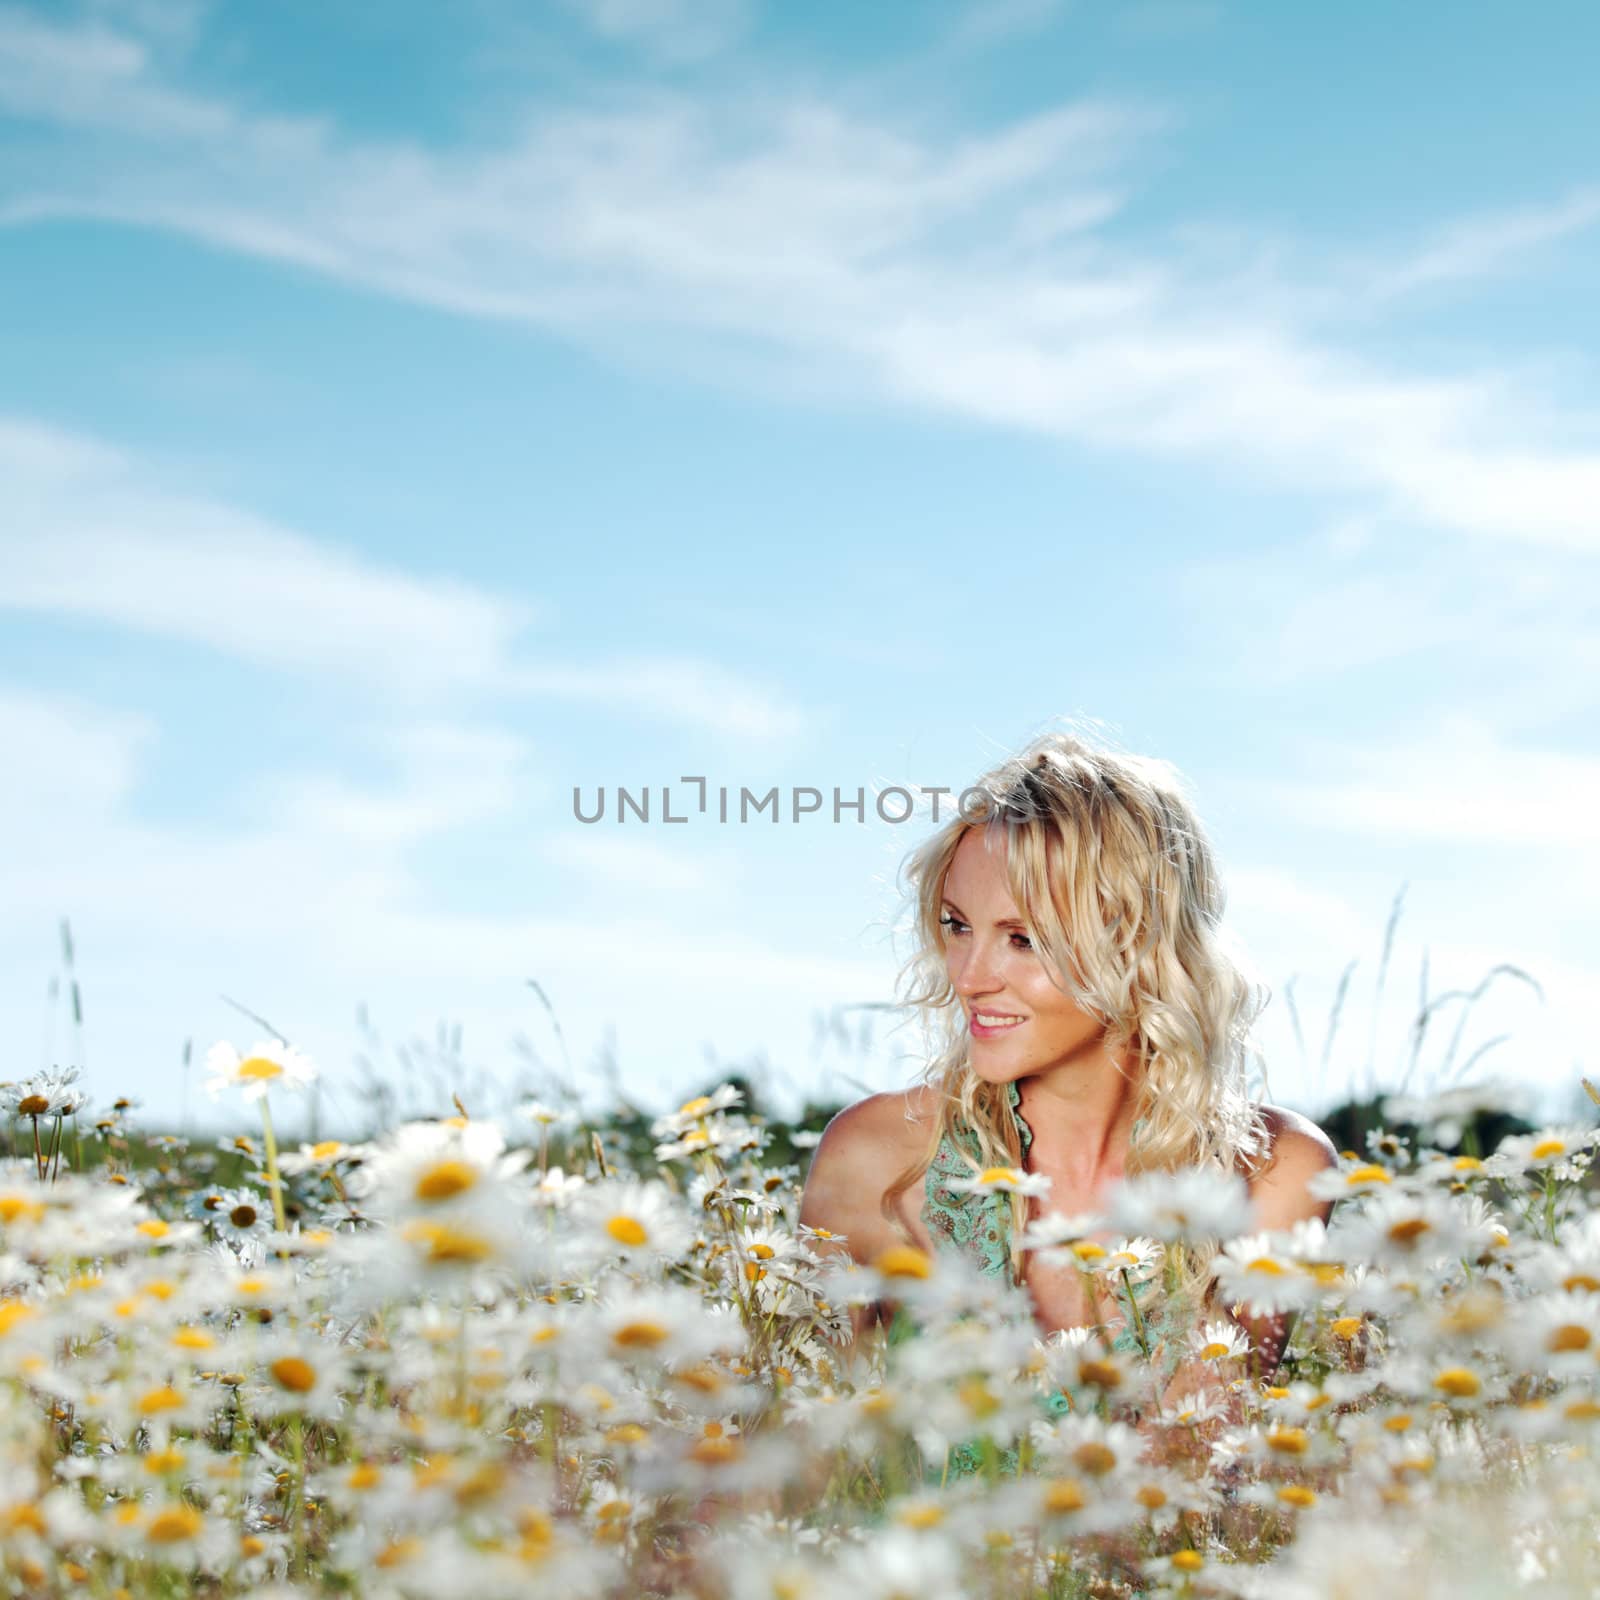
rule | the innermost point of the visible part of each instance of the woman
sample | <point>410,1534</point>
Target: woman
<point>1090,1025</point>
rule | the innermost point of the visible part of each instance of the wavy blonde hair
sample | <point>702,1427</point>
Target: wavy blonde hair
<point>1118,886</point>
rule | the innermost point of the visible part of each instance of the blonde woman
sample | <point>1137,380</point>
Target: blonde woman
<point>1089,1026</point>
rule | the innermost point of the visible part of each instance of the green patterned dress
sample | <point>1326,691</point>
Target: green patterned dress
<point>979,1227</point>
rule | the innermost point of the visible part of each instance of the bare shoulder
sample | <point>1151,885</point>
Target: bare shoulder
<point>888,1127</point>
<point>1297,1142</point>
<point>861,1152</point>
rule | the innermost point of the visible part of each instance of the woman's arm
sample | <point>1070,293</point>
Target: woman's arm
<point>859,1153</point>
<point>1300,1150</point>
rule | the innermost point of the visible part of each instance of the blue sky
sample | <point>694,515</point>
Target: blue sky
<point>407,416</point>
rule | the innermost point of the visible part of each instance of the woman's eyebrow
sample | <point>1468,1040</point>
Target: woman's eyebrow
<point>1004,922</point>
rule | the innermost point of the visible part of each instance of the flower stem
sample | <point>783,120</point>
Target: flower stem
<point>274,1183</point>
<point>1138,1317</point>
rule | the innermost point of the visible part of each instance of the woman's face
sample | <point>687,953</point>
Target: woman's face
<point>997,974</point>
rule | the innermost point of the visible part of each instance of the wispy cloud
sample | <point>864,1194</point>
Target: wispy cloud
<point>93,532</point>
<point>680,689</point>
<point>1460,781</point>
<point>90,533</point>
<point>676,30</point>
<point>912,263</point>
<point>1476,247</point>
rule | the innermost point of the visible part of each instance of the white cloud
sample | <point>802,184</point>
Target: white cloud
<point>632,864</point>
<point>1457,780</point>
<point>678,688</point>
<point>913,265</point>
<point>676,30</point>
<point>90,534</point>
<point>1477,246</point>
<point>65,758</point>
<point>93,533</point>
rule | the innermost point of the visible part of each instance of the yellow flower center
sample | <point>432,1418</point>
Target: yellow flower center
<point>1569,1336</point>
<point>1459,1382</point>
<point>259,1069</point>
<point>11,1313</point>
<point>1298,1496</point>
<point>1409,1230</point>
<point>13,1206</point>
<point>641,1335</point>
<point>715,1452</point>
<point>446,1179</point>
<point>193,1339</point>
<point>1367,1174</point>
<point>904,1261</point>
<point>33,1105</point>
<point>364,1476</point>
<point>627,1231</point>
<point>326,1150</point>
<point>978,1398</point>
<point>1346,1327</point>
<point>1064,1495</point>
<point>294,1374</point>
<point>1267,1265</point>
<point>396,1553</point>
<point>1000,1175</point>
<point>1547,1148</point>
<point>1288,1441</point>
<point>156,1401</point>
<point>923,1516</point>
<point>173,1525</point>
<point>1187,1560</point>
<point>696,1107</point>
<point>1094,1458</point>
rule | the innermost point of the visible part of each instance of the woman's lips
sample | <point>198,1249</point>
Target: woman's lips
<point>979,1030</point>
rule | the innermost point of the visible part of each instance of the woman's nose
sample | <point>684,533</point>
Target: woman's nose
<point>977,974</point>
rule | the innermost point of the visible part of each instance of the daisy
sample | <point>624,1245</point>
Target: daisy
<point>693,1113</point>
<point>640,1224</point>
<point>1412,1230</point>
<point>237,1215</point>
<point>1559,1335</point>
<point>1002,1180</point>
<point>1257,1272</point>
<point>1063,1239</point>
<point>1139,1258</point>
<point>1349,1177</point>
<point>1190,1206</point>
<point>556,1188</point>
<point>45,1094</point>
<point>295,1373</point>
<point>543,1117</point>
<point>665,1327</point>
<point>270,1064</point>
<point>437,1168</point>
<point>1219,1341</point>
<point>1549,1149</point>
<point>324,1156</point>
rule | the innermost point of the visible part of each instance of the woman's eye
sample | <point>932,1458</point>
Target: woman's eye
<point>1019,941</point>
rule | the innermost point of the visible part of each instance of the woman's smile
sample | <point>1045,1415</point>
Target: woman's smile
<point>991,1024</point>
